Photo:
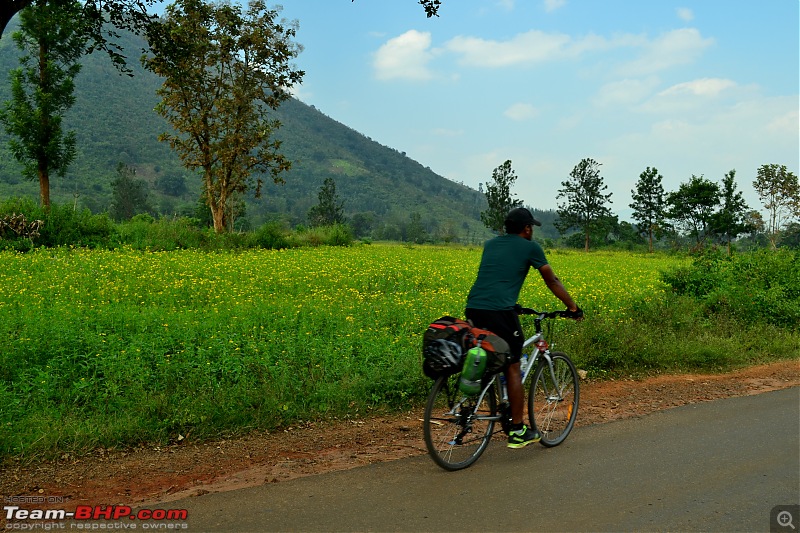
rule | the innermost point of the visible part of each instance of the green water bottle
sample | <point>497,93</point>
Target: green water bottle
<point>472,373</point>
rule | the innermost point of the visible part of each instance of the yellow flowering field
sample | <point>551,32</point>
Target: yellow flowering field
<point>123,346</point>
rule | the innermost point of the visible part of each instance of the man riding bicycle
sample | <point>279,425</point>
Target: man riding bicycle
<point>504,266</point>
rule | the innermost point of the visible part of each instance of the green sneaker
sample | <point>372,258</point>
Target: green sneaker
<point>523,437</point>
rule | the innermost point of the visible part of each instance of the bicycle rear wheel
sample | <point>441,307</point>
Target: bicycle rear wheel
<point>456,427</point>
<point>553,407</point>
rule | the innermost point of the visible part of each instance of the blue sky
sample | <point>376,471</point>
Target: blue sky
<point>691,87</point>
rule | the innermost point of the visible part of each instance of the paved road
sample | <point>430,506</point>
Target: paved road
<point>716,466</point>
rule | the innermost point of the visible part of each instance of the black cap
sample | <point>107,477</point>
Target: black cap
<point>522,217</point>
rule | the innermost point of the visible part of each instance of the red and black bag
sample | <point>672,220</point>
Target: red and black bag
<point>496,348</point>
<point>443,347</point>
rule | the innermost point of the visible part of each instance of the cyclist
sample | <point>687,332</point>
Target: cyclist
<point>491,303</point>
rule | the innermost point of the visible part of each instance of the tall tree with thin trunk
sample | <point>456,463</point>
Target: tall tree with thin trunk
<point>225,70</point>
<point>329,210</point>
<point>42,90</point>
<point>779,192</point>
<point>585,205</point>
<point>648,203</point>
<point>731,219</point>
<point>499,197</point>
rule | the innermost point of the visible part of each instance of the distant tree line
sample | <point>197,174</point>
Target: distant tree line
<point>700,210</point>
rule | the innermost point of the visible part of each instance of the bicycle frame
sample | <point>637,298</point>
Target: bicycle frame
<point>533,359</point>
<point>526,370</point>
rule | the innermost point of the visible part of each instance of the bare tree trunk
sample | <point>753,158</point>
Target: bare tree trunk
<point>44,186</point>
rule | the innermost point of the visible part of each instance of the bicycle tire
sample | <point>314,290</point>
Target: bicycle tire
<point>552,410</point>
<point>454,437</point>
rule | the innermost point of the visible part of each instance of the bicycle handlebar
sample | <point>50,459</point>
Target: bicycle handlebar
<point>549,314</point>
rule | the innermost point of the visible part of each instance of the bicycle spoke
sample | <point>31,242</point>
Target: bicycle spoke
<point>553,406</point>
<point>457,432</point>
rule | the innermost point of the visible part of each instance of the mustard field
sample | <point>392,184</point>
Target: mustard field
<point>119,347</point>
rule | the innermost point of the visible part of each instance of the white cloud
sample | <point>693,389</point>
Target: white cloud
<point>531,47</point>
<point>404,57</point>
<point>686,14</point>
<point>520,112</point>
<point>508,5</point>
<point>528,48</point>
<point>702,87</point>
<point>626,92</point>
<point>677,47</point>
<point>552,5</point>
<point>785,124</point>
<point>409,55</point>
<point>703,96</point>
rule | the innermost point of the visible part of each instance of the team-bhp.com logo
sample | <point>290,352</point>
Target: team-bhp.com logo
<point>94,512</point>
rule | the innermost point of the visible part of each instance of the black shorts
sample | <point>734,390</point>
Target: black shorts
<point>504,324</point>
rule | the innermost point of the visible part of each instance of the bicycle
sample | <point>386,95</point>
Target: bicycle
<point>458,426</point>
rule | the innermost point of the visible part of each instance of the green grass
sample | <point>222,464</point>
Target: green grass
<point>115,348</point>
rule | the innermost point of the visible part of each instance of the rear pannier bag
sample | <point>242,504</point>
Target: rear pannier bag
<point>496,348</point>
<point>443,348</point>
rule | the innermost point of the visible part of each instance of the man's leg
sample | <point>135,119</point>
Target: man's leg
<point>520,435</point>
<point>516,396</point>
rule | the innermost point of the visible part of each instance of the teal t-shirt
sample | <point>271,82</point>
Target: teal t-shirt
<point>505,263</point>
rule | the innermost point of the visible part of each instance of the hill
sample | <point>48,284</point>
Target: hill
<point>115,123</point>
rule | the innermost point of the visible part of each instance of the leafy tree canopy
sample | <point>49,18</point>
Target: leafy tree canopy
<point>225,71</point>
<point>584,206</point>
<point>329,210</point>
<point>693,205</point>
<point>99,21</point>
<point>499,197</point>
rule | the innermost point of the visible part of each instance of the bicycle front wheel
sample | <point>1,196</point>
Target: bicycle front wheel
<point>553,405</point>
<point>457,427</point>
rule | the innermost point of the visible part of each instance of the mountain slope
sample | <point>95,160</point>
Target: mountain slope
<point>115,123</point>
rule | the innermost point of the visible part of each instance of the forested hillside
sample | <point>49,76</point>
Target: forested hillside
<point>382,189</point>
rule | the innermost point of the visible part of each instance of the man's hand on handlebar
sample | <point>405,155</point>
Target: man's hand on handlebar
<point>577,314</point>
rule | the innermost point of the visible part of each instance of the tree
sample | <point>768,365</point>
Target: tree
<point>731,219</point>
<point>431,7</point>
<point>585,202</point>
<point>129,195</point>
<point>499,197</point>
<point>96,18</point>
<point>692,207</point>
<point>415,230</point>
<point>224,71</point>
<point>329,210</point>
<point>779,192</point>
<point>363,223</point>
<point>648,203</point>
<point>42,91</point>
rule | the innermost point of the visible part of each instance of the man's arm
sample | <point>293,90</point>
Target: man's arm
<point>556,287</point>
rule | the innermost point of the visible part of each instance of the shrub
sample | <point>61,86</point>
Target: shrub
<point>271,236</point>
<point>762,285</point>
<point>63,225</point>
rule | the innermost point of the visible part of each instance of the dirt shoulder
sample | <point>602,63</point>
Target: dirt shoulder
<point>146,476</point>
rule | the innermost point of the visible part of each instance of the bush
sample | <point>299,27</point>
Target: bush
<point>271,236</point>
<point>762,285</point>
<point>335,235</point>
<point>142,232</point>
<point>63,225</point>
